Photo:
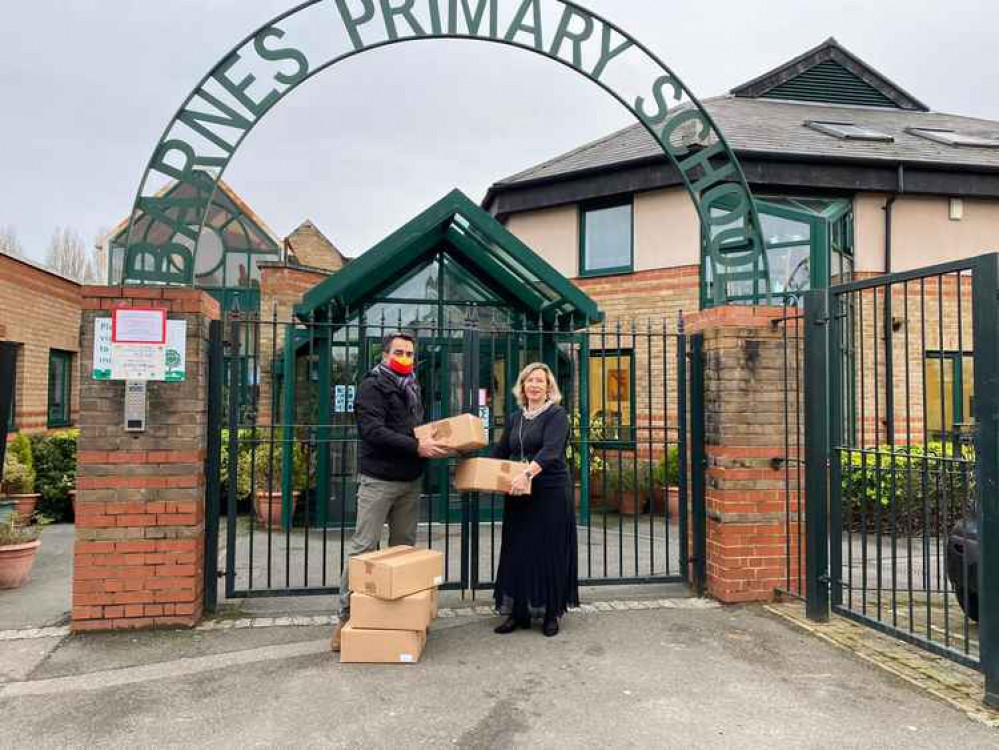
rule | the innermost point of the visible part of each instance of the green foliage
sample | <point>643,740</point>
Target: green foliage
<point>913,484</point>
<point>667,471</point>
<point>13,531</point>
<point>21,448</point>
<point>21,466</point>
<point>257,460</point>
<point>17,478</point>
<point>55,471</point>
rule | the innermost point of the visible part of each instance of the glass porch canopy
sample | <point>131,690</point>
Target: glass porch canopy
<point>489,259</point>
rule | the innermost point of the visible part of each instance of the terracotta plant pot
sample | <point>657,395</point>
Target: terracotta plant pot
<point>268,508</point>
<point>16,562</point>
<point>669,498</point>
<point>631,503</point>
<point>25,505</point>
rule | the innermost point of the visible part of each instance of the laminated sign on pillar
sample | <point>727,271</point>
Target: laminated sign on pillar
<point>117,356</point>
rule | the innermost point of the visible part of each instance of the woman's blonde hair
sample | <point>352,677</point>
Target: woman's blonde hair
<point>554,394</point>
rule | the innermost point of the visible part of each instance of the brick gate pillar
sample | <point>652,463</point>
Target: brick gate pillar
<point>745,484</point>
<point>140,521</point>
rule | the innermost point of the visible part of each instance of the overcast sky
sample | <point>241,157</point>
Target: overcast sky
<point>86,87</point>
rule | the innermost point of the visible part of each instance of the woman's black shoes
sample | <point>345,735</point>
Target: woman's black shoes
<point>550,627</point>
<point>510,624</point>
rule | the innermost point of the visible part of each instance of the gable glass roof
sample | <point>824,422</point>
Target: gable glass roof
<point>476,260</point>
<point>232,244</point>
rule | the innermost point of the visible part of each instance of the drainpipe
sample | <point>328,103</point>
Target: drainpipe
<point>888,313</point>
<point>889,206</point>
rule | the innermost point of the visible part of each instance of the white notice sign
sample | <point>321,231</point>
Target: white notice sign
<point>138,362</point>
<point>102,349</point>
<point>136,325</point>
<point>174,355</point>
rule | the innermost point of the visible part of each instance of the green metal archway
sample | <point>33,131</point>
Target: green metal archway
<point>207,130</point>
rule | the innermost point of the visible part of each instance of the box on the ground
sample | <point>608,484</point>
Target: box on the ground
<point>359,646</point>
<point>463,433</point>
<point>396,572</point>
<point>413,612</point>
<point>486,475</point>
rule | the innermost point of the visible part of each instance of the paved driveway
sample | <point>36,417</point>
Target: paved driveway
<point>681,677</point>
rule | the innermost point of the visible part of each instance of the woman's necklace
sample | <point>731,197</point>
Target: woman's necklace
<point>530,414</point>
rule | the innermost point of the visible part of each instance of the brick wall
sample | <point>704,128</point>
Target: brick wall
<point>748,523</point>
<point>139,553</point>
<point>281,288</point>
<point>40,311</point>
<point>311,248</point>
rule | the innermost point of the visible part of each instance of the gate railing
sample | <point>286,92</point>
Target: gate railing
<point>282,494</point>
<point>902,454</point>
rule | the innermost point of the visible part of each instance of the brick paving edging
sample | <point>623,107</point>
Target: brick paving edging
<point>957,685</point>
<point>242,623</point>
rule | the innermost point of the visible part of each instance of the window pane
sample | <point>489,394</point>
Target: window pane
<point>939,395</point>
<point>607,233</point>
<point>612,396</point>
<point>59,388</point>
<point>790,269</point>
<point>777,230</point>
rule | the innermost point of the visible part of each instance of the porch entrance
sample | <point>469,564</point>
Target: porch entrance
<point>481,306</point>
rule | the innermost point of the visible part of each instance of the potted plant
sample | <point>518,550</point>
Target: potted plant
<point>574,457</point>
<point>666,486</point>
<point>19,483</point>
<point>18,546</point>
<point>628,488</point>
<point>268,500</point>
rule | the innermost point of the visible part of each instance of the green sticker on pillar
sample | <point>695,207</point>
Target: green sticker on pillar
<point>176,351</point>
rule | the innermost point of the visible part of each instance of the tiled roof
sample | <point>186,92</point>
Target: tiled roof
<point>763,126</point>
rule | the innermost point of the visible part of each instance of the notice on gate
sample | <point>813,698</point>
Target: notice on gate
<point>343,399</point>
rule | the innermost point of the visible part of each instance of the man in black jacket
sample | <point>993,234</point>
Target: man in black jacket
<point>390,459</point>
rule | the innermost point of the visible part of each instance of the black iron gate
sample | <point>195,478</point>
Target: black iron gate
<point>283,462</point>
<point>902,453</point>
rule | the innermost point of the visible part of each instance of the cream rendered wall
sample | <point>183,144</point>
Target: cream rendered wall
<point>922,231</point>
<point>553,233</point>
<point>667,232</point>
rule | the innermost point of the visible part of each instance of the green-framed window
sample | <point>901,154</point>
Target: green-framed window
<point>60,388</point>
<point>607,237</point>
<point>12,417</point>
<point>950,393</point>
<point>612,396</point>
<point>809,245</point>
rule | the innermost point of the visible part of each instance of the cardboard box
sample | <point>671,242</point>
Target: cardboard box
<point>486,475</point>
<point>396,572</point>
<point>464,433</point>
<point>413,612</point>
<point>358,646</point>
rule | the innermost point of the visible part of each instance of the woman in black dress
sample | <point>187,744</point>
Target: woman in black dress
<point>538,557</point>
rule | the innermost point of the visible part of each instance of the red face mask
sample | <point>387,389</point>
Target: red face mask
<point>401,365</point>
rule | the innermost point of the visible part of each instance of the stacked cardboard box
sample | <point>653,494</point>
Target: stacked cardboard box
<point>393,600</point>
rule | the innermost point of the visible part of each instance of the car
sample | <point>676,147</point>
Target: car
<point>962,550</point>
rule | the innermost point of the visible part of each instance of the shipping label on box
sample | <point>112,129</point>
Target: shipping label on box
<point>464,433</point>
<point>413,612</point>
<point>396,572</point>
<point>487,475</point>
<point>360,646</point>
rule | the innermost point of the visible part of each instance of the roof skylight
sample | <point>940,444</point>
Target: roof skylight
<point>954,138</point>
<point>849,131</point>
